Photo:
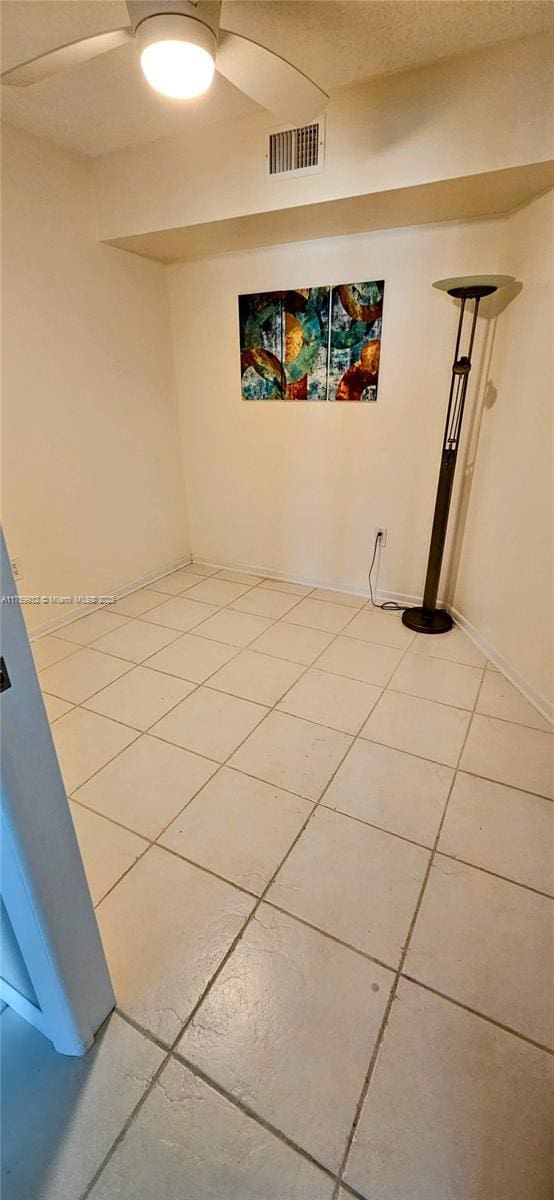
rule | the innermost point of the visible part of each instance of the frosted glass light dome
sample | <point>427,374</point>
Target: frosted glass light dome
<point>177,55</point>
<point>473,285</point>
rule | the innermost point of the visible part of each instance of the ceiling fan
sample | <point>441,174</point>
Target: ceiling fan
<point>180,44</point>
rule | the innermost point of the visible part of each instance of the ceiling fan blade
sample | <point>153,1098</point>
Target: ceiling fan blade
<point>65,56</point>
<point>269,80</point>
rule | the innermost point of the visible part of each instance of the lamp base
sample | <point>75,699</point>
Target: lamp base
<point>423,621</point>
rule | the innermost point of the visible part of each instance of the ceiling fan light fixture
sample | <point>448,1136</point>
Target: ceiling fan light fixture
<point>177,55</point>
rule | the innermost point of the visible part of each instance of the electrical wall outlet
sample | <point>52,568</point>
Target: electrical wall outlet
<point>380,529</point>
<point>17,568</point>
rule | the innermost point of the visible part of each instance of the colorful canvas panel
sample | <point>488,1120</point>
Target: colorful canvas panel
<point>356,322</point>
<point>312,343</point>
<point>283,339</point>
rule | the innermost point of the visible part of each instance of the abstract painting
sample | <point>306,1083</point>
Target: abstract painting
<point>356,320</point>
<point>318,343</point>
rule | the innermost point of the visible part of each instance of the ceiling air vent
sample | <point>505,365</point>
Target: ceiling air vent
<point>292,151</point>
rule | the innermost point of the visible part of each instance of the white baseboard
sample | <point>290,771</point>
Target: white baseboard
<point>542,705</point>
<point>119,592</point>
<point>266,572</point>
<point>538,701</point>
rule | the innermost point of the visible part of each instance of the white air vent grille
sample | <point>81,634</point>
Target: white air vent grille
<point>295,151</point>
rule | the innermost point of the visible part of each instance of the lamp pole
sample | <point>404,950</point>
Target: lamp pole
<point>427,618</point>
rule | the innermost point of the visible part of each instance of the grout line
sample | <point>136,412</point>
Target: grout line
<point>527,887</point>
<point>354,733</point>
<point>249,1112</point>
<point>146,1033</point>
<point>239,1104</point>
<point>401,837</point>
<point>83,701</point>
<point>201,866</point>
<point>260,899</point>
<point>332,937</point>
<point>357,678</point>
<point>131,661</point>
<point>451,766</point>
<point>184,595</point>
<point>113,820</point>
<point>104,608</point>
<point>255,895</point>
<point>156,842</point>
<point>100,608</point>
<point>179,633</point>
<point>242,930</point>
<point>143,617</point>
<point>354,740</point>
<point>464,708</point>
<point>146,665</point>
<point>513,786</point>
<point>288,620</point>
<point>219,765</point>
<point>475,1012</point>
<point>510,721</point>
<point>441,658</point>
<point>52,696</point>
<point>394,989</point>
<point>160,846</point>
<point>216,609</point>
<point>230,1098</point>
<point>364,740</point>
<point>138,728</point>
<point>142,732</point>
<point>124,873</point>
<point>108,760</point>
<point>220,762</point>
<point>411,978</point>
<point>249,646</point>
<point>365,607</point>
<point>212,686</point>
<point>173,1044</point>
<point>217,972</point>
<point>294,716</point>
<point>203,683</point>
<point>308,588</point>
<point>443,853</point>
<point>129,828</point>
<point>163,596</point>
<point>353,608</point>
<point>206,683</point>
<point>125,1127</point>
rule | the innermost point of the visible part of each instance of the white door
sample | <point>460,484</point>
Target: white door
<point>52,969</point>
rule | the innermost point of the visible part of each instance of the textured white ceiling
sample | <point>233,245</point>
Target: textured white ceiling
<point>337,42</point>
<point>106,104</point>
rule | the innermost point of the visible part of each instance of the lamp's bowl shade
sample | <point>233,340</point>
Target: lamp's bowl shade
<point>469,287</point>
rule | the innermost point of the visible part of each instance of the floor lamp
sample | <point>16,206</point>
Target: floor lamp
<point>428,618</point>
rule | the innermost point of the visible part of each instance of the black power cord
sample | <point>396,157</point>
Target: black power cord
<point>388,605</point>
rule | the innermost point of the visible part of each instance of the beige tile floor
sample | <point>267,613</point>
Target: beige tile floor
<point>320,850</point>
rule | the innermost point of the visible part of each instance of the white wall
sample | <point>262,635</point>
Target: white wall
<point>93,492</point>
<point>504,578</point>
<point>478,113</point>
<point>93,431</point>
<point>298,488</point>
